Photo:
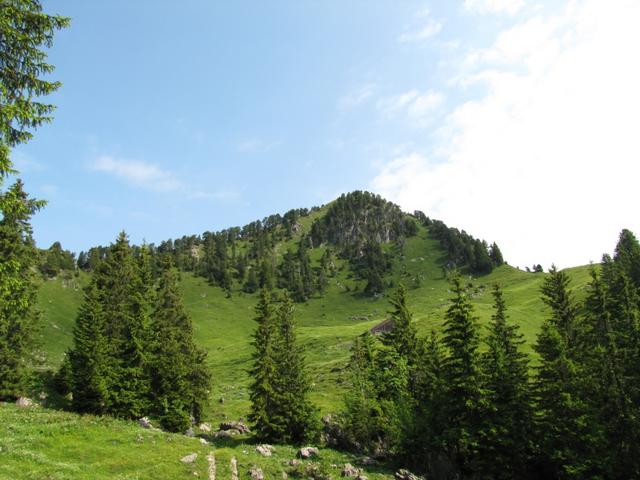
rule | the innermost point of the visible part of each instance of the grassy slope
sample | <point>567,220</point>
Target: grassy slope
<point>41,444</point>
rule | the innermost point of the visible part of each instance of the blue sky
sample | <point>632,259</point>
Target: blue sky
<point>497,116</point>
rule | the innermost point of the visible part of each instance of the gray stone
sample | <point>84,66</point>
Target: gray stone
<point>404,474</point>
<point>350,471</point>
<point>24,402</point>
<point>191,458</point>
<point>144,422</point>
<point>264,450</point>
<point>205,427</point>
<point>308,452</point>
<point>256,473</point>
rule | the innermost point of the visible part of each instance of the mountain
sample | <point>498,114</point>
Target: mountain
<point>418,251</point>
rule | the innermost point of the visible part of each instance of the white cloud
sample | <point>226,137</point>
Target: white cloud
<point>417,106</point>
<point>546,161</point>
<point>429,27</point>
<point>357,97</point>
<point>510,7</point>
<point>141,174</point>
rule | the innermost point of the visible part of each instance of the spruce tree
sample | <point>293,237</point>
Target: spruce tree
<point>562,420</point>
<point>402,337</point>
<point>362,419</point>
<point>462,379</point>
<point>87,356</point>
<point>179,376</point>
<point>126,317</point>
<point>292,382</point>
<point>18,316</point>
<point>262,390</point>
<point>627,256</point>
<point>506,427</point>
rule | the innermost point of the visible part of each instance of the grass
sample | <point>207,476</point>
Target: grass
<point>37,443</point>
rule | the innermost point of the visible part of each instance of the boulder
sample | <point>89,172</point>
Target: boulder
<point>350,471</point>
<point>205,427</point>
<point>24,402</point>
<point>256,473</point>
<point>367,461</point>
<point>404,474</point>
<point>144,422</point>
<point>203,441</point>
<point>190,432</point>
<point>265,450</point>
<point>223,434</point>
<point>191,458</point>
<point>308,452</point>
<point>239,427</point>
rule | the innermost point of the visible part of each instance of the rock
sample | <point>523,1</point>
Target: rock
<point>24,402</point>
<point>361,477</point>
<point>294,462</point>
<point>350,471</point>
<point>144,422</point>
<point>211,470</point>
<point>42,396</point>
<point>223,434</point>
<point>239,427</point>
<point>191,458</point>
<point>308,452</point>
<point>264,450</point>
<point>234,469</point>
<point>205,427</point>
<point>367,461</point>
<point>404,474</point>
<point>203,441</point>
<point>256,473</point>
<point>190,432</point>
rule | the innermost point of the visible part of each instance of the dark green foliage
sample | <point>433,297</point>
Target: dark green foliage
<point>403,337</point>
<point>55,259</point>
<point>372,266</point>
<point>362,419</point>
<point>263,390</point>
<point>564,432</point>
<point>179,376</point>
<point>88,356</point>
<point>464,251</point>
<point>506,432</point>
<point>462,379</point>
<point>18,317</point>
<point>627,256</point>
<point>292,383</point>
<point>25,32</point>
<point>280,409</point>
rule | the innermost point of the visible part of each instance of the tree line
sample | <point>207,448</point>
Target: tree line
<point>455,410</point>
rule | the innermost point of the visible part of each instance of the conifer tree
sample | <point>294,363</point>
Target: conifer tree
<point>292,382</point>
<point>506,427</point>
<point>627,256</point>
<point>402,337</point>
<point>362,419</point>
<point>262,390</point>
<point>462,378</point>
<point>88,355</point>
<point>179,376</point>
<point>18,316</point>
<point>562,420</point>
<point>126,317</point>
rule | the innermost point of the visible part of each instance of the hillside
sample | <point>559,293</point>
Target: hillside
<point>328,323</point>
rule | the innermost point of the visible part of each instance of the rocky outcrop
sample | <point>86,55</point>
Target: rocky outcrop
<point>233,426</point>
